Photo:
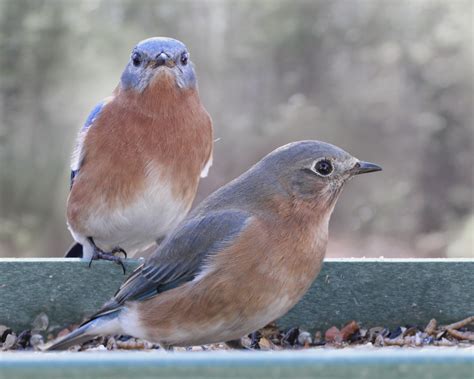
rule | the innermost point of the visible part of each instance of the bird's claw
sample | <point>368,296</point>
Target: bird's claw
<point>110,256</point>
<point>119,250</point>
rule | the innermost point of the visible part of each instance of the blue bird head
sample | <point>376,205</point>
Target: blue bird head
<point>154,56</point>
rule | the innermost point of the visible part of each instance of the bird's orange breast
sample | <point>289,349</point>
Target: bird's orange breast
<point>163,129</point>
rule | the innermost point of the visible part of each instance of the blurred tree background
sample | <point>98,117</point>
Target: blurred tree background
<point>389,81</point>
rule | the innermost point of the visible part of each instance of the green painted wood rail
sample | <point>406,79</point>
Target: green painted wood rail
<point>386,363</point>
<point>375,292</point>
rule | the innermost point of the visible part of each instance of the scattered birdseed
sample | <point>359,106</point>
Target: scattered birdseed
<point>459,334</point>
<point>40,323</point>
<point>431,327</point>
<point>333,335</point>
<point>23,340</point>
<point>36,341</point>
<point>9,342</point>
<point>304,339</point>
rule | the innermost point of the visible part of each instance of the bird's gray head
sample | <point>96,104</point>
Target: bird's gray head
<point>154,57</point>
<point>313,170</point>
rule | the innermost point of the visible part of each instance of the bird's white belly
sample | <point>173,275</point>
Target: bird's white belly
<point>151,215</point>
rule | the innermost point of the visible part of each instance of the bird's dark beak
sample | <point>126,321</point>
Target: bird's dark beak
<point>163,59</point>
<point>365,167</point>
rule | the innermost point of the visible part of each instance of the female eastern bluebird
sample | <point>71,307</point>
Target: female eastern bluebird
<point>139,156</point>
<point>241,259</point>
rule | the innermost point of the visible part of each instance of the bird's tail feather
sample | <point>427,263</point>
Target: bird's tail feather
<point>103,325</point>
<point>74,251</point>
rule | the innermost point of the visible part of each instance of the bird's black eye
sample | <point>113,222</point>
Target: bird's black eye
<point>136,59</point>
<point>323,167</point>
<point>184,58</point>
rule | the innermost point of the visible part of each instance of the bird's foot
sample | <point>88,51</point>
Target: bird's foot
<point>113,256</point>
<point>110,256</point>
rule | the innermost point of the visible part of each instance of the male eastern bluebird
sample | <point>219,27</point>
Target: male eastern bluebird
<point>241,259</point>
<point>140,154</point>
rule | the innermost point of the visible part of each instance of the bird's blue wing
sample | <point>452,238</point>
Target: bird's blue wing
<point>181,256</point>
<point>78,155</point>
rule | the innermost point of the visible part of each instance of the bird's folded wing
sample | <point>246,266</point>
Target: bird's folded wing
<point>181,256</point>
<point>78,153</point>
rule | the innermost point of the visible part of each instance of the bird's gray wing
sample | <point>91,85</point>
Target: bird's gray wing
<point>181,256</point>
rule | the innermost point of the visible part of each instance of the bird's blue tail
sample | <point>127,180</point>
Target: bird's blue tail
<point>103,325</point>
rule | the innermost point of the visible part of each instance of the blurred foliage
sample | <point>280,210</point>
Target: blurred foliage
<point>390,81</point>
